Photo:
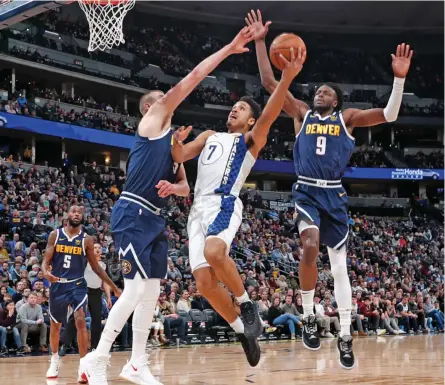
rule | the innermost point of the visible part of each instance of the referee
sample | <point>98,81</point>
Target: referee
<point>95,285</point>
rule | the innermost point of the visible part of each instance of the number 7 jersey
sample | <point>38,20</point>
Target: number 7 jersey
<point>323,147</point>
<point>223,166</point>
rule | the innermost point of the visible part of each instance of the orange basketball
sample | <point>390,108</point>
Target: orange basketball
<point>282,45</point>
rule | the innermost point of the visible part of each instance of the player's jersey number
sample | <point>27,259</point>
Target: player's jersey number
<point>321,145</point>
<point>212,152</point>
<point>67,261</point>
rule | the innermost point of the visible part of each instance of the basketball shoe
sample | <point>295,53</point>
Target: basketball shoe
<point>344,345</point>
<point>138,372</point>
<point>251,319</point>
<point>311,340</point>
<point>53,370</point>
<point>94,368</point>
<point>251,349</point>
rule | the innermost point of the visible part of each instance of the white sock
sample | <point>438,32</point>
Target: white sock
<point>238,326</point>
<point>342,288</point>
<point>307,299</point>
<point>56,355</point>
<point>120,312</point>
<point>244,298</point>
<point>142,318</point>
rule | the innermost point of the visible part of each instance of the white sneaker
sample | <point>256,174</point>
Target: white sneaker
<point>138,373</point>
<point>53,371</point>
<point>329,335</point>
<point>82,378</point>
<point>400,331</point>
<point>381,332</point>
<point>94,368</point>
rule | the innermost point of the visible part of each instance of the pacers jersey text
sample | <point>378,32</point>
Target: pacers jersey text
<point>69,259</point>
<point>149,162</point>
<point>323,147</point>
<point>223,166</point>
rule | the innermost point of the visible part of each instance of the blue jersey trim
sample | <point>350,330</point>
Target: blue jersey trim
<point>223,218</point>
<point>233,166</point>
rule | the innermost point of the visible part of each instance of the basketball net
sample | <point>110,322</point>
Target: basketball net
<point>105,19</point>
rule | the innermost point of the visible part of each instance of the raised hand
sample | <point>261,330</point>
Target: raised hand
<point>295,65</point>
<point>182,133</point>
<point>401,61</point>
<point>255,22</point>
<point>165,188</point>
<point>244,37</point>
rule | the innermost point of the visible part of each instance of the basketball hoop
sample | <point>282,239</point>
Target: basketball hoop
<point>105,19</point>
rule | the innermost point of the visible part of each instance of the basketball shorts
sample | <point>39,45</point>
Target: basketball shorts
<point>64,295</point>
<point>140,240</point>
<point>212,216</point>
<point>326,208</point>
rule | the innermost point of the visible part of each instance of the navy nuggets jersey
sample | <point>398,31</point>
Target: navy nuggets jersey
<point>69,258</point>
<point>323,147</point>
<point>149,162</point>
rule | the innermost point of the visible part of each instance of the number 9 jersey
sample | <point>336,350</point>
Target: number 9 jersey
<point>323,147</point>
<point>322,151</point>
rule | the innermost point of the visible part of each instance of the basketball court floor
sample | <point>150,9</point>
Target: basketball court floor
<point>412,360</point>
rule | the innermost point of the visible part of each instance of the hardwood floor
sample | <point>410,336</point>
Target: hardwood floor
<point>380,360</point>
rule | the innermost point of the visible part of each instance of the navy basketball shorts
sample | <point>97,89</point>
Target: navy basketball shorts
<point>65,295</point>
<point>327,208</point>
<point>140,240</point>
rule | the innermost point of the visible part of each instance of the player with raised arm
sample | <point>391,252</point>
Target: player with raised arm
<point>138,228</point>
<point>224,163</point>
<point>323,147</point>
<point>66,256</point>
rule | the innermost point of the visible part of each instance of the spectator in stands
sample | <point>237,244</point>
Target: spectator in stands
<point>408,320</point>
<point>199,302</point>
<point>8,322</point>
<point>435,314</point>
<point>172,320</point>
<point>372,315</point>
<point>357,319</point>
<point>31,320</point>
<point>184,303</point>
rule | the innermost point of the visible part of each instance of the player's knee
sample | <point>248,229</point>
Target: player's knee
<point>79,318</point>
<point>311,248</point>
<point>215,251</point>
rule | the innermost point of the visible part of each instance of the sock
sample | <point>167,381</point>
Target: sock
<point>142,318</point>
<point>120,312</point>
<point>56,355</point>
<point>244,298</point>
<point>238,326</point>
<point>307,298</point>
<point>342,288</point>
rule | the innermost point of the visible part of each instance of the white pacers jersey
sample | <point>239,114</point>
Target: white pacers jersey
<point>217,210</point>
<point>223,166</point>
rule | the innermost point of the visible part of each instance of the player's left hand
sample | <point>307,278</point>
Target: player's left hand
<point>182,133</point>
<point>402,60</point>
<point>165,188</point>
<point>109,303</point>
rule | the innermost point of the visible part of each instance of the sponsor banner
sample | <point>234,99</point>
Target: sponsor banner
<point>62,130</point>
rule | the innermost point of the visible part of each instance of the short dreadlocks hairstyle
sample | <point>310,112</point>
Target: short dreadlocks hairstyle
<point>339,93</point>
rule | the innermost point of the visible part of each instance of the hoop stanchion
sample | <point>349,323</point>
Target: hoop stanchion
<point>105,19</point>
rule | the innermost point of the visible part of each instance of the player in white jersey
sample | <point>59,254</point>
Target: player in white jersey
<point>223,166</point>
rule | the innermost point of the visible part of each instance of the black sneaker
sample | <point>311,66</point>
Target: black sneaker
<point>344,345</point>
<point>4,351</point>
<point>311,340</point>
<point>21,351</point>
<point>251,319</point>
<point>251,349</point>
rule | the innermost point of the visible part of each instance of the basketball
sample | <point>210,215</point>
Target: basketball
<point>282,45</point>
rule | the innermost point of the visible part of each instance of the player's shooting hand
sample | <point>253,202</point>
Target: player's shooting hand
<point>255,22</point>
<point>295,65</point>
<point>165,188</point>
<point>238,43</point>
<point>182,133</point>
<point>402,60</point>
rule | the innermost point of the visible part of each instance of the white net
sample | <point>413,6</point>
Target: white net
<point>105,19</point>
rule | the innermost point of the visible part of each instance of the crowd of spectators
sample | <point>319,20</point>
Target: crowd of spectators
<point>395,265</point>
<point>367,157</point>
<point>432,160</point>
